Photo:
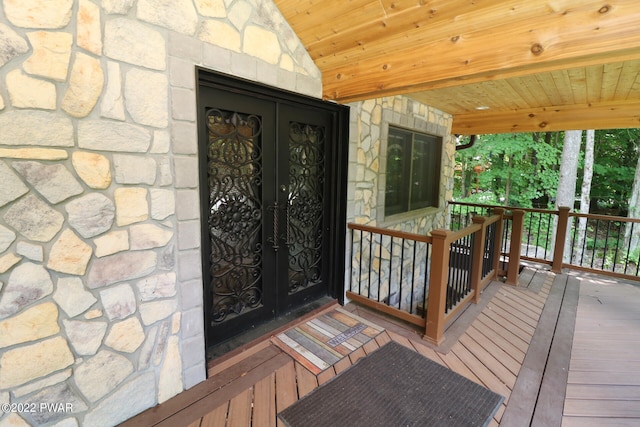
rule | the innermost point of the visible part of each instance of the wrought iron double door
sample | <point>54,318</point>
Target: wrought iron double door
<point>267,206</point>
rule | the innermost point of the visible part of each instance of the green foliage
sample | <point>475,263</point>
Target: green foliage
<point>517,168</point>
<point>521,169</point>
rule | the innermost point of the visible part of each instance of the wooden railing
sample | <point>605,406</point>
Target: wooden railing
<point>422,279</point>
<point>554,237</point>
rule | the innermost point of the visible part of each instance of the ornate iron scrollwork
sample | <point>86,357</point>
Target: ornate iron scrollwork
<point>234,162</point>
<point>305,205</point>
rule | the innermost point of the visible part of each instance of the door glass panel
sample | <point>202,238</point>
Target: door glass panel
<point>234,158</point>
<point>305,205</point>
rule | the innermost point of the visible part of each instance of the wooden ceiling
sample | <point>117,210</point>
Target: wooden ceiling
<point>496,65</point>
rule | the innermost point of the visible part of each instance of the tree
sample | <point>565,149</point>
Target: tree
<point>568,175</point>
<point>585,199</point>
<point>632,231</point>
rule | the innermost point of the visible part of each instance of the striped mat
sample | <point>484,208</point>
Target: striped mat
<point>322,341</point>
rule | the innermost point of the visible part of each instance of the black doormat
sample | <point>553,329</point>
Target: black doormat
<point>395,386</point>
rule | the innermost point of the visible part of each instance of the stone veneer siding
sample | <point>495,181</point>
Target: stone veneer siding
<point>100,271</point>
<point>369,126</point>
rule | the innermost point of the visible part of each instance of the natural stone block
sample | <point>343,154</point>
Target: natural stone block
<point>85,86</point>
<point>135,43</point>
<point>27,283</point>
<point>122,404</point>
<point>189,265</point>
<point>48,381</point>
<point>221,34</point>
<point>53,130</point>
<point>112,105</point>
<point>34,219</point>
<point>125,336</point>
<point>161,342</point>
<point>131,205</point>
<point>37,322</point>
<point>11,44</point>
<point>181,73</point>
<point>120,267</point>
<point>38,13</point>
<point>183,104</point>
<point>60,394</point>
<point>51,54</point>
<point>185,47</point>
<point>28,250</point>
<point>176,15</point>
<point>194,375</point>
<point>120,7</point>
<point>23,364</point>
<point>6,237</point>
<point>111,243</point>
<point>69,254</point>
<point>134,169</point>
<point>165,175</point>
<point>148,236</point>
<point>167,258</point>
<point>94,169</point>
<point>144,357</point>
<point>72,297</point>
<point>27,92</point>
<point>6,262</point>
<point>53,181</point>
<point>91,215</point>
<point>158,286</point>
<point>93,314</point>
<point>101,374</point>
<point>191,294</point>
<point>189,235</point>
<point>262,44</point>
<point>118,301</point>
<point>85,337</point>
<point>161,142</point>
<point>187,204</point>
<point>192,323</point>
<point>170,381</point>
<point>153,311</point>
<point>240,12</point>
<point>186,170</point>
<point>89,32</point>
<point>175,322</point>
<point>105,135</point>
<point>13,420</point>
<point>163,204</point>
<point>211,8</point>
<point>33,153</point>
<point>147,97</point>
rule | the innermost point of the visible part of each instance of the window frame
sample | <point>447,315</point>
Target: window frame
<point>436,187</point>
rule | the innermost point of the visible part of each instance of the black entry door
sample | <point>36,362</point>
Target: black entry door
<point>268,182</point>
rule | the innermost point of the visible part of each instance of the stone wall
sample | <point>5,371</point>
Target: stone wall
<point>369,124</point>
<point>100,271</point>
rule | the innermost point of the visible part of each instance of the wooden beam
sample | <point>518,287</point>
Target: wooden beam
<point>587,32</point>
<point>600,116</point>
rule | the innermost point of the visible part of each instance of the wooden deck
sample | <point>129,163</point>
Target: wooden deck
<point>519,342</point>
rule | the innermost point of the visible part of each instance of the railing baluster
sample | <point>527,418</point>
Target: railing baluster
<point>401,271</point>
<point>626,264</point>
<point>615,254</point>
<point>595,242</point>
<point>413,277</point>
<point>606,241</point>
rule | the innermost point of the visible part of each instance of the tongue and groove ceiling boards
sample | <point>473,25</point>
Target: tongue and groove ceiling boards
<point>496,65</point>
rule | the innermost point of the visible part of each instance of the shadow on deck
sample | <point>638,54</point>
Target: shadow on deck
<point>563,350</point>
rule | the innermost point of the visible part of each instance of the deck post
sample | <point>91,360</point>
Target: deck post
<point>561,237</point>
<point>438,277</point>
<point>478,256</point>
<point>514,250</point>
<point>498,246</point>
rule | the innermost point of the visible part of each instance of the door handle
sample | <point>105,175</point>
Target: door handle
<point>274,240</point>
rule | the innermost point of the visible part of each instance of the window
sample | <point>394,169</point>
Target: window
<point>413,171</point>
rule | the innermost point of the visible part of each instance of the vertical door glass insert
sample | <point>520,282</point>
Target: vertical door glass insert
<point>234,158</point>
<point>305,205</point>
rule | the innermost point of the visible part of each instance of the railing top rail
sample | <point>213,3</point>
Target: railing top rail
<point>491,219</point>
<point>508,208</point>
<point>452,236</point>
<point>392,233</point>
<point>604,217</point>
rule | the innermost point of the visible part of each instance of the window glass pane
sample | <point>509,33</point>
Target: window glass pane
<point>398,162</point>
<point>425,171</point>
<point>413,171</point>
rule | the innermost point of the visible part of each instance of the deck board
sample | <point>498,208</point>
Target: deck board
<point>507,346</point>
